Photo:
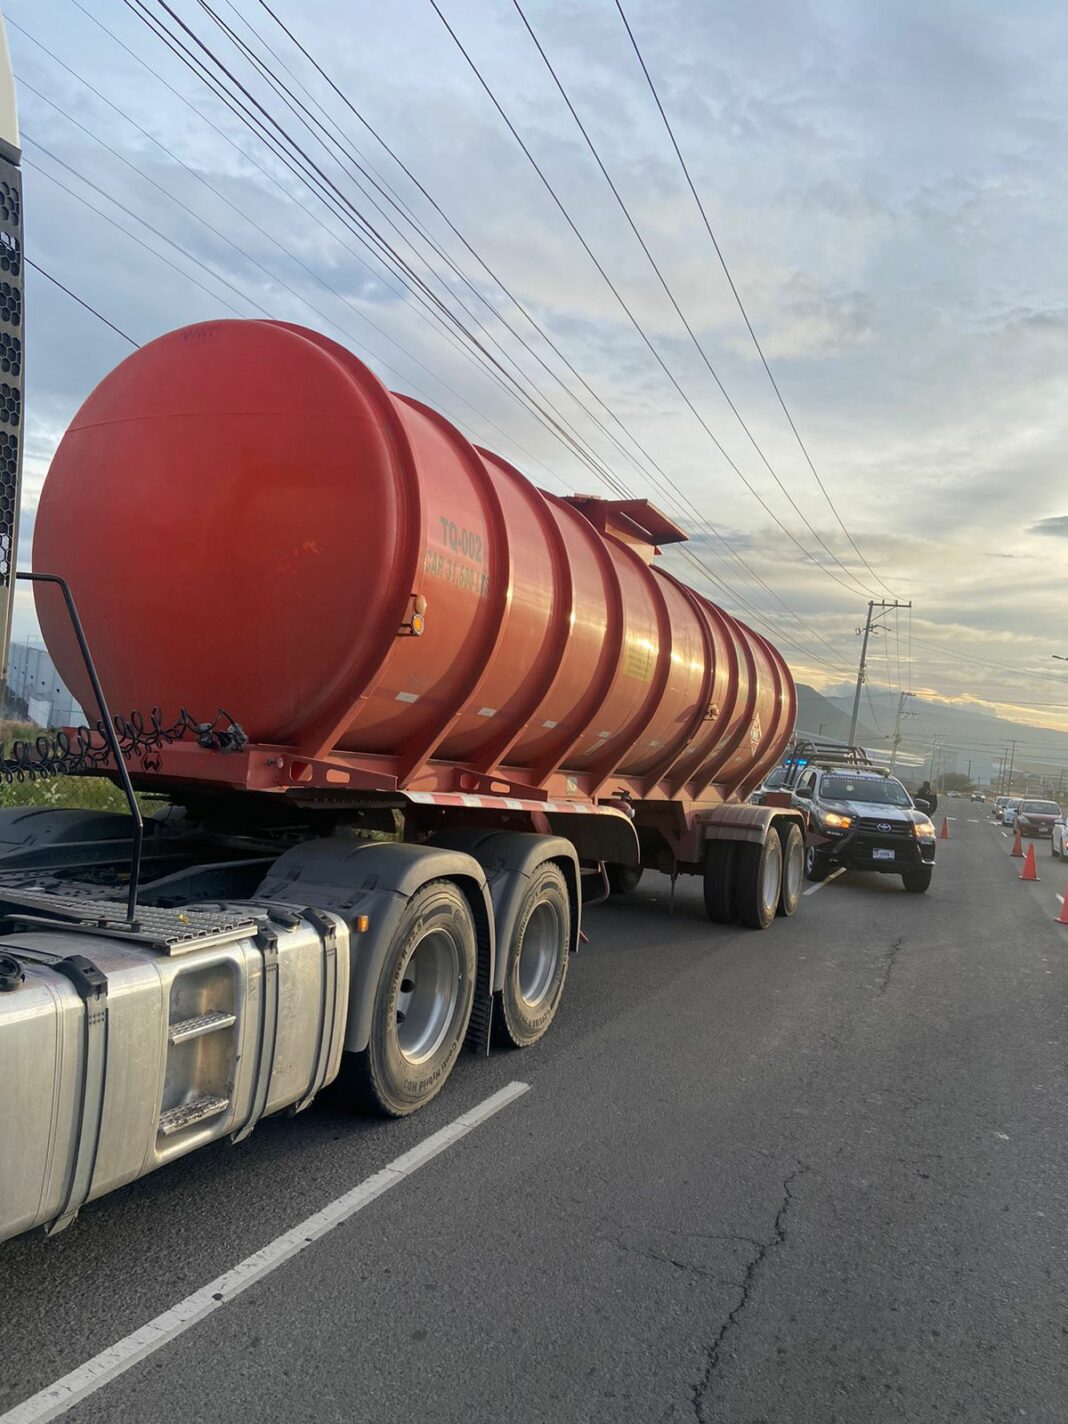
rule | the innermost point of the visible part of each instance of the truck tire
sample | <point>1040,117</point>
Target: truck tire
<point>537,958</point>
<point>917,882</point>
<point>817,866</point>
<point>719,881</point>
<point>758,881</point>
<point>623,879</point>
<point>793,867</point>
<point>422,1005</point>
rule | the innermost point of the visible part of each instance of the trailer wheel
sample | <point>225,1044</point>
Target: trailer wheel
<point>759,882</point>
<point>422,1004</point>
<point>793,868</point>
<point>623,879</point>
<point>719,886</point>
<point>537,958</point>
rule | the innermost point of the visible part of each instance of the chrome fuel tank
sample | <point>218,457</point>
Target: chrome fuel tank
<point>119,1053</point>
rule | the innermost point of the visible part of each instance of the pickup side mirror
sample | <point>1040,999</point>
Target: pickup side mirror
<point>922,805</point>
<point>804,792</point>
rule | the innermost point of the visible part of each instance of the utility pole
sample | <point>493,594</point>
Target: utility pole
<point>895,740</point>
<point>883,607</point>
<point>1012,763</point>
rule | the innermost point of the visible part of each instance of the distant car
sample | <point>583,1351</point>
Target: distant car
<point>955,795</point>
<point>1008,812</point>
<point>1036,818</point>
<point>1000,802</point>
<point>978,796</point>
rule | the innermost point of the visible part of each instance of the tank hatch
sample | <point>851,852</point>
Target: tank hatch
<point>633,521</point>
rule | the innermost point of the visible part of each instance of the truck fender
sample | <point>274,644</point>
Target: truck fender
<point>743,822</point>
<point>377,879</point>
<point>509,859</point>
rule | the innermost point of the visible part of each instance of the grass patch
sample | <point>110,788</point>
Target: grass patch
<point>83,793</point>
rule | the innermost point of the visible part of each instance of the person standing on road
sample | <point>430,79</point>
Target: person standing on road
<point>926,794</point>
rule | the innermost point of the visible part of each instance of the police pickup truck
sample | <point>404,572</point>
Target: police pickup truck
<point>863,819</point>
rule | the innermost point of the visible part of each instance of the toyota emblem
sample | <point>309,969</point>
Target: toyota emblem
<point>884,826</point>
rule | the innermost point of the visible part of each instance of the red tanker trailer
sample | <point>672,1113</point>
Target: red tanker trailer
<point>456,708</point>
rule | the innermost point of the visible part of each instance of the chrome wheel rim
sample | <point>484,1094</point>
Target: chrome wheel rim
<point>539,954</point>
<point>771,880</point>
<point>427,996</point>
<point>793,870</point>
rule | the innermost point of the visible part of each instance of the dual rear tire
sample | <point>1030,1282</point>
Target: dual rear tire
<point>750,884</point>
<point>426,988</point>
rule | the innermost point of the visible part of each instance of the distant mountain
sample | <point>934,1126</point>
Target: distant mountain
<point>970,735</point>
<point>823,718</point>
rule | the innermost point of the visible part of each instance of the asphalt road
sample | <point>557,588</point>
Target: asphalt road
<point>817,1174</point>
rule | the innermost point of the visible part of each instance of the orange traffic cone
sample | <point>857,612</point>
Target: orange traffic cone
<point>1029,870</point>
<point>943,834</point>
<point>1017,847</point>
<point>1062,918</point>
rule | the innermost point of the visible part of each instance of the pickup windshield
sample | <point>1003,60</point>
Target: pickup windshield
<point>848,788</point>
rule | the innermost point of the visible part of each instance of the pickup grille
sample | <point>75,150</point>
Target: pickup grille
<point>876,824</point>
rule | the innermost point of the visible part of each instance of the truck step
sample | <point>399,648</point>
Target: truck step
<point>186,1029</point>
<point>187,1114</point>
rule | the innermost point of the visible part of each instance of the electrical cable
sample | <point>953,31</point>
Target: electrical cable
<point>694,340</point>
<point>620,299</point>
<point>738,299</point>
<point>82,303</point>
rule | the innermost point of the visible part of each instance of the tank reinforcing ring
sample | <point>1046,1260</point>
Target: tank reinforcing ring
<point>428,994</point>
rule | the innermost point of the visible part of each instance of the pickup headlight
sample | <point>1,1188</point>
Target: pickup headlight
<point>924,830</point>
<point>833,821</point>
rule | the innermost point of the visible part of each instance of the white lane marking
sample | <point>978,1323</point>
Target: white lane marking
<point>810,891</point>
<point>57,1398</point>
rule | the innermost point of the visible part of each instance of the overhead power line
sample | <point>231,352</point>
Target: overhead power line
<point>738,298</point>
<point>82,303</point>
<point>669,293</point>
<point>622,302</point>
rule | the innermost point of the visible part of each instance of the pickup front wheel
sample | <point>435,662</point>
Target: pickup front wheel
<point>817,866</point>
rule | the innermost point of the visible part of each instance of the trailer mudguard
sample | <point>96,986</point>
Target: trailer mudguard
<point>377,879</point>
<point>509,858</point>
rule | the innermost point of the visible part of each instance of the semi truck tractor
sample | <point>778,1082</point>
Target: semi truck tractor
<point>386,716</point>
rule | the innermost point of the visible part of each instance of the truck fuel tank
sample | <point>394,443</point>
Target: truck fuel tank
<point>119,1053</point>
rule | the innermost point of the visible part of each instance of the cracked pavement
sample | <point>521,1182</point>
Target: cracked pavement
<point>814,1176</point>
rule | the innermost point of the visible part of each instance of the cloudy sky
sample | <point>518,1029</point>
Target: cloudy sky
<point>887,183</point>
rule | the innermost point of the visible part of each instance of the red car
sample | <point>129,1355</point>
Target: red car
<point>1036,818</point>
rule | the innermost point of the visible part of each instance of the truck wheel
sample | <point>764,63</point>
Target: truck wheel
<point>918,881</point>
<point>622,879</point>
<point>719,882</point>
<point>758,882</point>
<point>537,958</point>
<point>793,868</point>
<point>817,866</point>
<point>422,1004</point>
